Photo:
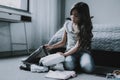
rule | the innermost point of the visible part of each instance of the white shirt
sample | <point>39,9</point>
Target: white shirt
<point>71,35</point>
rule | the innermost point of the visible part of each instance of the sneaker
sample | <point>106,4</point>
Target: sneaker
<point>24,67</point>
<point>37,68</point>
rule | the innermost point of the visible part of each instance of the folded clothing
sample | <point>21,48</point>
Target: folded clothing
<point>52,59</point>
<point>60,74</point>
<point>37,68</point>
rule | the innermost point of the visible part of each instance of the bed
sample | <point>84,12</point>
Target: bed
<point>106,44</point>
<point>106,37</point>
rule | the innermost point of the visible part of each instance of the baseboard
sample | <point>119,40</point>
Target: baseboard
<point>15,53</point>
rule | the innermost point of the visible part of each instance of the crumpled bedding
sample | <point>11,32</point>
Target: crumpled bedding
<point>107,41</point>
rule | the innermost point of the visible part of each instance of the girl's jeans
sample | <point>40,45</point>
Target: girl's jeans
<point>80,59</point>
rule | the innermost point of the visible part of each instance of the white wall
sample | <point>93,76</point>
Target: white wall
<point>104,11</point>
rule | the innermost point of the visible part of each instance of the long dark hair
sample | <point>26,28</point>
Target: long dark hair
<point>85,25</point>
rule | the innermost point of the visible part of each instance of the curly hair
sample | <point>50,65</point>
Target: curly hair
<point>84,25</point>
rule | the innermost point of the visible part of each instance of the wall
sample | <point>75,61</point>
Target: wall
<point>104,11</point>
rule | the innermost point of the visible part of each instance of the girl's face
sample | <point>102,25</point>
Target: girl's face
<point>75,17</point>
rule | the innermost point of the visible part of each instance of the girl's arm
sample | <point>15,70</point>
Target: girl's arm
<point>72,50</point>
<point>58,44</point>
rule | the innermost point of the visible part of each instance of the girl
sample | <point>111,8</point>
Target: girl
<point>77,35</point>
<point>77,38</point>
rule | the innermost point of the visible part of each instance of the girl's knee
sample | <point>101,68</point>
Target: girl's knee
<point>69,63</point>
<point>86,62</point>
<point>68,59</point>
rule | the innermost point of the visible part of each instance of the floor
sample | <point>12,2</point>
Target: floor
<point>9,70</point>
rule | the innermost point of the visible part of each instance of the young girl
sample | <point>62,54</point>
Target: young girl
<point>77,38</point>
<point>77,35</point>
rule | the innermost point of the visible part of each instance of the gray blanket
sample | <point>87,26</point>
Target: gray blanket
<point>106,37</point>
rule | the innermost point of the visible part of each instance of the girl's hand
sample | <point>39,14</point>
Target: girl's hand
<point>48,47</point>
<point>61,53</point>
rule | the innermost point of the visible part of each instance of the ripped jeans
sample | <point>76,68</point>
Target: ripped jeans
<point>80,59</point>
